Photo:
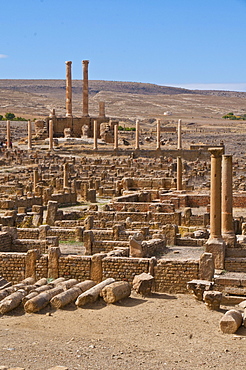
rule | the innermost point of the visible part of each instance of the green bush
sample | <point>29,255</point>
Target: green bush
<point>9,116</point>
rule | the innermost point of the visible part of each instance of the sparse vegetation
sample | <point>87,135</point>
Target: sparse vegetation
<point>120,128</point>
<point>11,117</point>
<point>232,116</point>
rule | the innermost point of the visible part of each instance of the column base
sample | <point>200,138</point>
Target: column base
<point>217,247</point>
<point>230,239</point>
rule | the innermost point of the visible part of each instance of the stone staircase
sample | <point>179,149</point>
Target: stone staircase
<point>232,285</point>
<point>235,260</point>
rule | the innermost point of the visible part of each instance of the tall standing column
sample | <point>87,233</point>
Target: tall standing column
<point>179,134</point>
<point>95,135</point>
<point>8,135</point>
<point>228,233</point>
<point>102,109</point>
<point>29,130</point>
<point>137,135</point>
<point>215,244</point>
<point>116,136</point>
<point>65,175</point>
<point>158,134</point>
<point>85,89</point>
<point>50,134</point>
<point>179,173</point>
<point>69,89</point>
<point>35,179</point>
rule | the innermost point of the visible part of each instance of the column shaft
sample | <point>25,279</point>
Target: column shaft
<point>137,135</point>
<point>215,193</point>
<point>179,173</point>
<point>116,136</point>
<point>227,200</point>
<point>158,134</point>
<point>69,89</point>
<point>102,109</point>
<point>179,134</point>
<point>50,134</point>
<point>95,135</point>
<point>8,135</point>
<point>85,89</point>
<point>29,130</point>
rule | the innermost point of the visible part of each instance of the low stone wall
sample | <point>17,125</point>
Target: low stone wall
<point>170,275</point>
<point>5,242</point>
<point>12,266</point>
<point>235,264</point>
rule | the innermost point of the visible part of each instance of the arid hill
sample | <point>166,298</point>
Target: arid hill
<point>35,98</point>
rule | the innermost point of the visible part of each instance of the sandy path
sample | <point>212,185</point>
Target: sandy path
<point>161,332</point>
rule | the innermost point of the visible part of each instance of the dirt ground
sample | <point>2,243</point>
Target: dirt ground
<point>161,332</point>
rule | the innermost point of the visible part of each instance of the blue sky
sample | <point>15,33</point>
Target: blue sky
<point>187,43</point>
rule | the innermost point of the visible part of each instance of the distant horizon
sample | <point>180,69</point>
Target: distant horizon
<point>236,87</point>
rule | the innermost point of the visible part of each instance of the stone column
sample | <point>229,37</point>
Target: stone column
<point>116,136</point>
<point>215,244</point>
<point>29,130</point>
<point>85,89</point>
<point>158,134</point>
<point>101,109</point>
<point>35,179</point>
<point>8,135</point>
<point>179,173</point>
<point>50,134</point>
<point>137,135</point>
<point>95,135</point>
<point>228,233</point>
<point>65,175</point>
<point>68,89</point>
<point>179,134</point>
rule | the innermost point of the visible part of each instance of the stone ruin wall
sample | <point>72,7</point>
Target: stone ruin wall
<point>170,275</point>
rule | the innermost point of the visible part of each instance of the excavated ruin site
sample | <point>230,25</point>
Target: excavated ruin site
<point>122,230</point>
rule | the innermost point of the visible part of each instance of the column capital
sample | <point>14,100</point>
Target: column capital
<point>68,62</point>
<point>85,62</point>
<point>216,152</point>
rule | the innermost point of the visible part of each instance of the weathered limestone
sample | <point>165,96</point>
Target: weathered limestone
<point>143,283</point>
<point>35,179</point>
<point>12,301</point>
<point>51,131</point>
<point>116,291</point>
<point>8,137</point>
<point>135,242</point>
<point>137,135</point>
<point>85,89</point>
<point>231,321</point>
<point>116,137</point>
<point>65,175</point>
<point>51,212</point>
<point>228,233</point>
<point>215,244</point>
<point>29,130</point>
<point>212,299</point>
<point>101,109</point>
<point>68,89</point>
<point>179,173</point>
<point>70,295</point>
<point>158,134</point>
<point>92,294</point>
<point>179,134</point>
<point>53,264</point>
<point>42,300</point>
<point>31,258</point>
<point>206,266</point>
<point>197,287</point>
<point>95,135</point>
